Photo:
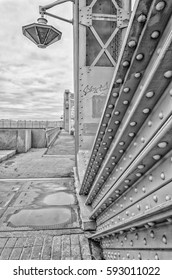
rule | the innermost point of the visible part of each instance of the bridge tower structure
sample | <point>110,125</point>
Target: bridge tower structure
<point>123,124</point>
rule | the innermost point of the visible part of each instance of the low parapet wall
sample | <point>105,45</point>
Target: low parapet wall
<point>15,139</point>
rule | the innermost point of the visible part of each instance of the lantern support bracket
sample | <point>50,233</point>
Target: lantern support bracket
<point>43,9</point>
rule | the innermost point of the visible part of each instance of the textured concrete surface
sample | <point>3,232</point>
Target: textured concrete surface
<point>6,154</point>
<point>39,210</point>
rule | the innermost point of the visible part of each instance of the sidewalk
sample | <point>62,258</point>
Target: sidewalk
<point>39,210</point>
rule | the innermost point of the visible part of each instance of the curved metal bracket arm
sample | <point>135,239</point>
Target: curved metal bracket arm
<point>49,6</point>
<point>60,18</point>
<point>42,10</point>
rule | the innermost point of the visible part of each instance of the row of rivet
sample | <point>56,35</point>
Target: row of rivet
<point>155,157</point>
<point>139,57</point>
<point>119,81</point>
<point>137,191</point>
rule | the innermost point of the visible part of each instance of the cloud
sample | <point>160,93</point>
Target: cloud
<point>33,80</point>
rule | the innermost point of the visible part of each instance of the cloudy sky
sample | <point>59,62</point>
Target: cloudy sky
<point>33,80</point>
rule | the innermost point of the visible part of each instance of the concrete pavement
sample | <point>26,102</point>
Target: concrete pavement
<point>39,210</point>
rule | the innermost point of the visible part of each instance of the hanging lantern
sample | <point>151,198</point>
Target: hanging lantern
<point>41,34</point>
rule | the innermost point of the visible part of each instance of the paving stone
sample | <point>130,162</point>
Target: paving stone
<point>65,247</point>
<point>11,242</point>
<point>3,241</point>
<point>5,255</point>
<point>16,253</point>
<point>30,241</point>
<point>85,249</point>
<point>39,241</point>
<point>36,253</point>
<point>56,252</point>
<point>26,253</point>
<point>46,254</point>
<point>75,247</point>
<point>20,242</point>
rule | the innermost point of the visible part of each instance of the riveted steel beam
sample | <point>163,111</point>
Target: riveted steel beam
<point>140,109</point>
<point>145,158</point>
<point>151,182</point>
<point>155,238</point>
<point>107,132</point>
<point>137,255</point>
<point>153,123</point>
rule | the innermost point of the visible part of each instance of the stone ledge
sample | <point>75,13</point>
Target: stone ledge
<point>6,154</point>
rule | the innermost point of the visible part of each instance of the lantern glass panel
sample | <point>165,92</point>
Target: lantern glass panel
<point>51,36</point>
<point>32,33</point>
<point>42,33</point>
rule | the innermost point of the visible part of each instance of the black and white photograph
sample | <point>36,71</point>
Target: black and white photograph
<point>86,135</point>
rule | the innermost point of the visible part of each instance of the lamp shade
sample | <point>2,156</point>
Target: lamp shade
<point>41,34</point>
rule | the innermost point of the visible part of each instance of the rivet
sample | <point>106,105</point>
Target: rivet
<point>143,140</point>
<point>156,257</point>
<point>138,207</point>
<point>132,44</point>
<point>127,89</point>
<point>162,145</point>
<point>162,176</point>
<point>131,134</point>
<point>149,94</point>
<point>113,157</point>
<point>133,124</point>
<point>161,116</point>
<point>131,242</point>
<point>104,124</point>
<point>108,115</point>
<point>164,239</point>
<point>136,236</point>
<point>125,102</point>
<point>143,189</point>
<point>155,34</point>
<point>126,187</point>
<point>145,241</point>
<point>101,132</point>
<point>168,74</point>
<point>131,199</point>
<point>117,122</point>
<point>149,123</point>
<point>167,198</point>
<point>127,213</point>
<point>146,111</point>
<point>137,75</point>
<point>138,174</point>
<point>110,130</point>
<point>147,207</point>
<point>139,56</point>
<point>156,157</point>
<point>116,113</point>
<point>135,144</point>
<point>126,63</point>
<point>115,94</point>
<point>160,6</point>
<point>119,81</point>
<point>128,255</point>
<point>110,137</point>
<point>110,106</point>
<point>121,143</point>
<point>121,151</point>
<point>130,156</point>
<point>152,234</point>
<point>99,139</point>
<point>155,198</point>
<point>141,18</point>
<point>127,181</point>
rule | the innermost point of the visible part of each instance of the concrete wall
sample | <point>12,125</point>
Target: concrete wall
<point>15,139</point>
<point>39,138</point>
